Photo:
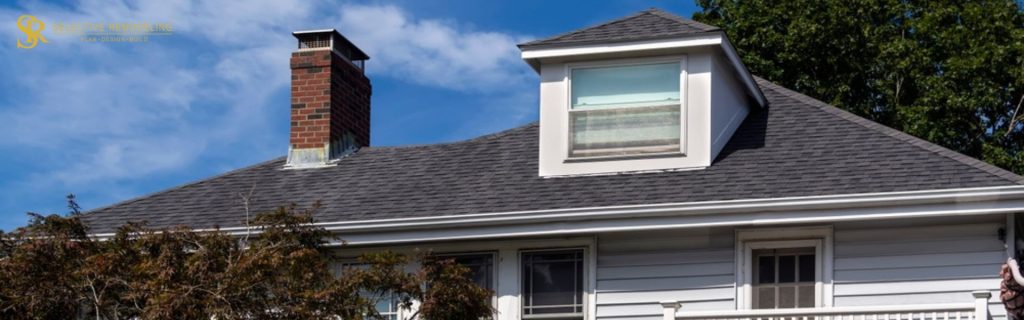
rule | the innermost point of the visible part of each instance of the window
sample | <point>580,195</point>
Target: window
<point>779,268</point>
<point>552,284</point>
<point>481,267</point>
<point>625,110</point>
<point>784,278</point>
<point>386,305</point>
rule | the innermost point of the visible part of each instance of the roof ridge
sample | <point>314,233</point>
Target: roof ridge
<point>893,133</point>
<point>564,34</point>
<point>488,136</point>
<point>676,18</point>
<point>183,185</point>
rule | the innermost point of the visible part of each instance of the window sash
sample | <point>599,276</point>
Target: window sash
<point>626,109</point>
<point>780,284</point>
<point>531,260</point>
<point>630,85</point>
<point>625,131</point>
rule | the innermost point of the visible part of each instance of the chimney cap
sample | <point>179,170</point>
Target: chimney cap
<point>338,42</point>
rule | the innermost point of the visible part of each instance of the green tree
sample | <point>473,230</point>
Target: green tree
<point>951,72</point>
<point>53,269</point>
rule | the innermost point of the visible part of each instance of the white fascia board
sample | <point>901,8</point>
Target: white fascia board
<point>752,212</point>
<point>741,69</point>
<point>695,41</point>
<point>709,39</point>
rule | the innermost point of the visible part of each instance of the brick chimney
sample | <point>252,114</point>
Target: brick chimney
<point>330,99</point>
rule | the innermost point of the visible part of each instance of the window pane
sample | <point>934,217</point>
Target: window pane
<point>787,297</point>
<point>625,131</point>
<point>387,307</point>
<point>637,85</point>
<point>787,269</point>
<point>765,298</point>
<point>553,282</point>
<point>807,268</point>
<point>481,268</point>
<point>805,296</point>
<point>765,270</point>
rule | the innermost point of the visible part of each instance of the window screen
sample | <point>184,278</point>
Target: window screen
<point>553,284</point>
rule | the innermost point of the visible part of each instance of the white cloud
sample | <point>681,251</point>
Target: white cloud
<point>433,52</point>
<point>102,113</point>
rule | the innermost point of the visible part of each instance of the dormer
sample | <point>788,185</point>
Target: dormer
<point>647,92</point>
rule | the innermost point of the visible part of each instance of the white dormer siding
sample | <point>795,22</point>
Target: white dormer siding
<point>714,96</point>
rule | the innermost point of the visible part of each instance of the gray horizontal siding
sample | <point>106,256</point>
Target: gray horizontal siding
<point>637,270</point>
<point>918,261</point>
<point>910,261</point>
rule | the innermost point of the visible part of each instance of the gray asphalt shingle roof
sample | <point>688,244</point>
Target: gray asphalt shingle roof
<point>796,147</point>
<point>645,25</point>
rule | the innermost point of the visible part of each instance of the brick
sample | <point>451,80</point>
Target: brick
<point>329,97</point>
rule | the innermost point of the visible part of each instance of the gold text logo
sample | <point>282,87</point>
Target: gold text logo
<point>28,24</point>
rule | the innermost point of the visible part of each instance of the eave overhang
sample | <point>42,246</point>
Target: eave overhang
<point>737,213</point>
<point>536,55</point>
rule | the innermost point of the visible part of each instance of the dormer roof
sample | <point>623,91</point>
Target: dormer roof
<point>651,30</point>
<point>649,24</point>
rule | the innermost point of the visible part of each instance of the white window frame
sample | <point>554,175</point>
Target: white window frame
<point>748,240</point>
<point>587,295</point>
<point>567,124</point>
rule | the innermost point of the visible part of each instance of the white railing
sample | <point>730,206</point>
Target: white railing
<point>958,311</point>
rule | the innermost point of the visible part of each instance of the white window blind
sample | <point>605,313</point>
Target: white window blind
<point>624,110</point>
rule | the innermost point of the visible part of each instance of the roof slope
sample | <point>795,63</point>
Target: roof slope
<point>645,25</point>
<point>797,146</point>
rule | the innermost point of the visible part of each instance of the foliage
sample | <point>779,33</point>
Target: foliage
<point>951,72</point>
<point>53,269</point>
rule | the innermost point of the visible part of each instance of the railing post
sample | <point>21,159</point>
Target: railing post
<point>671,307</point>
<point>981,304</point>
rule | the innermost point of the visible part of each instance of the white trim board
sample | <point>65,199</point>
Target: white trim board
<point>693,41</point>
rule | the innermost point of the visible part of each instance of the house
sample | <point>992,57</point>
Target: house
<point>663,181</point>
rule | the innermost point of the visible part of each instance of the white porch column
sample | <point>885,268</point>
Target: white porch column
<point>981,304</point>
<point>670,309</point>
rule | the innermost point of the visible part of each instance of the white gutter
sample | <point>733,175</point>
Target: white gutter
<point>809,209</point>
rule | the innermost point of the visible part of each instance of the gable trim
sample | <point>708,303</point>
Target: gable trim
<point>713,38</point>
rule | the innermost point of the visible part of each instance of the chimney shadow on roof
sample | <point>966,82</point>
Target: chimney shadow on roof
<point>750,134</point>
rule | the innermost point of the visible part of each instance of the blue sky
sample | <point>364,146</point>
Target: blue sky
<point>113,121</point>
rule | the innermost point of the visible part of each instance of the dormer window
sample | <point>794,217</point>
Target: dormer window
<point>620,110</point>
<point>651,92</point>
